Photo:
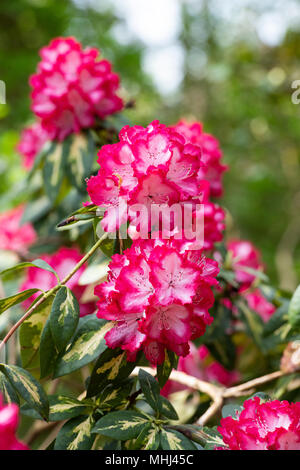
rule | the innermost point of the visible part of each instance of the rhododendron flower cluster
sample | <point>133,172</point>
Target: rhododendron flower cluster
<point>198,364</point>
<point>274,425</point>
<point>158,295</point>
<point>63,261</point>
<point>149,167</point>
<point>211,154</point>
<point>72,88</point>
<point>244,255</point>
<point>31,142</point>
<point>9,419</point>
<point>14,235</point>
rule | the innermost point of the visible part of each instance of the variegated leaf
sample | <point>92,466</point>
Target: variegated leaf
<point>174,440</point>
<point>111,367</point>
<point>64,317</point>
<point>28,387</point>
<point>86,346</point>
<point>121,425</point>
<point>76,434</point>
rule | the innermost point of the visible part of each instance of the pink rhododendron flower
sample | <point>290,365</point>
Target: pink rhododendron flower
<point>244,255</point>
<point>63,261</point>
<point>153,168</point>
<point>259,304</point>
<point>9,419</point>
<point>274,425</point>
<point>211,154</point>
<point>72,88</point>
<point>158,295</point>
<point>15,236</point>
<point>31,142</point>
<point>198,363</point>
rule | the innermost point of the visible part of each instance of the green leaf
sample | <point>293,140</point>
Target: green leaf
<point>253,322</point>
<point>15,299</point>
<point>111,367</point>
<point>64,317</point>
<point>80,158</point>
<point>148,439</point>
<point>48,352</point>
<point>28,387</point>
<point>53,169</point>
<point>76,434</point>
<point>150,389</point>
<point>7,391</point>
<point>87,345</point>
<point>115,395</point>
<point>31,332</point>
<point>167,409</point>
<point>174,440</point>
<point>294,309</point>
<point>37,263</point>
<point>62,407</point>
<point>121,425</point>
<point>36,210</point>
<point>164,370</point>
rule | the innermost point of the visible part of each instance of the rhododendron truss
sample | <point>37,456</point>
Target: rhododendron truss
<point>9,419</point>
<point>211,155</point>
<point>72,88</point>
<point>63,261</point>
<point>14,235</point>
<point>274,425</point>
<point>158,295</point>
<point>153,167</point>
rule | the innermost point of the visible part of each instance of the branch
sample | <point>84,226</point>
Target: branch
<point>52,291</point>
<point>216,392</point>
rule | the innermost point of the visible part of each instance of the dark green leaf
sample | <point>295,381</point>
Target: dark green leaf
<point>62,407</point>
<point>28,387</point>
<point>121,425</point>
<point>80,158</point>
<point>86,346</point>
<point>112,367</point>
<point>164,370</point>
<point>48,352</point>
<point>7,391</point>
<point>150,389</point>
<point>167,409</point>
<point>115,395</point>
<point>76,434</point>
<point>64,317</point>
<point>174,440</point>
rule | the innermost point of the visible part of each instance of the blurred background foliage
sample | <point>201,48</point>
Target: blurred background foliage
<point>230,66</point>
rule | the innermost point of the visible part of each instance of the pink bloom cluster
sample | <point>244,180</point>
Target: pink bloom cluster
<point>274,425</point>
<point>211,154</point>
<point>245,255</point>
<point>198,364</point>
<point>9,418</point>
<point>72,88</point>
<point>152,166</point>
<point>158,294</point>
<point>15,236</point>
<point>31,142</point>
<point>63,261</point>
